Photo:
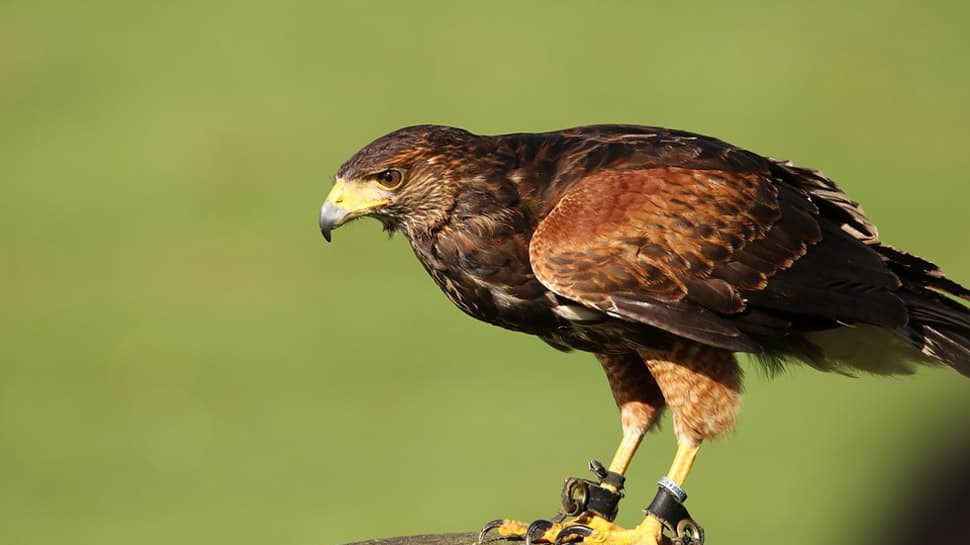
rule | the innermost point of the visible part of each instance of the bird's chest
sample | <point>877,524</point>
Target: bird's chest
<point>526,305</point>
<point>490,280</point>
<point>492,302</point>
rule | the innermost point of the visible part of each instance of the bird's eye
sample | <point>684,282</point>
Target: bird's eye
<point>390,179</point>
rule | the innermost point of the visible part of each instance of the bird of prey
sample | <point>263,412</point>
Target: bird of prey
<point>663,253</point>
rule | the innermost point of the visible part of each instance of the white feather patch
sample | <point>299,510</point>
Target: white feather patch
<point>868,348</point>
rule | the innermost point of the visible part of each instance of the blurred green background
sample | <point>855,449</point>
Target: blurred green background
<point>183,360</point>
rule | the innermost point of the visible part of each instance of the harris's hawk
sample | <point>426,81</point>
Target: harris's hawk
<point>663,253</point>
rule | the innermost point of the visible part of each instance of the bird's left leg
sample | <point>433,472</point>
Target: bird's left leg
<point>589,504</point>
<point>702,387</point>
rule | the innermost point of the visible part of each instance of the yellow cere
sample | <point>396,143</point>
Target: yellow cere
<point>357,196</point>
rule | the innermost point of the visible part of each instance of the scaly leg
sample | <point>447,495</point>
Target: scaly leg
<point>683,461</point>
<point>641,403</point>
<point>702,387</point>
<point>639,399</point>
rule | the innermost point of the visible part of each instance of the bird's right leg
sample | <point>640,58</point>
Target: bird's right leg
<point>639,399</point>
<point>641,403</point>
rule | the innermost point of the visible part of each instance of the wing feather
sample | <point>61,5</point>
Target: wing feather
<point>670,247</point>
<point>714,256</point>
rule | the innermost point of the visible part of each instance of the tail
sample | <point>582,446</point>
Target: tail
<point>938,326</point>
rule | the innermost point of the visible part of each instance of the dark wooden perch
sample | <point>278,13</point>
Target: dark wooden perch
<point>442,539</point>
<point>439,539</point>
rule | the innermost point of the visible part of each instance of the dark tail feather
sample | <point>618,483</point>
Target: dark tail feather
<point>920,271</point>
<point>939,326</point>
<point>949,346</point>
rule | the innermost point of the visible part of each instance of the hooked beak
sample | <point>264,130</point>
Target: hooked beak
<point>331,217</point>
<point>349,200</point>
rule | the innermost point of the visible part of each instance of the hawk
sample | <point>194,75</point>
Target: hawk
<point>663,253</point>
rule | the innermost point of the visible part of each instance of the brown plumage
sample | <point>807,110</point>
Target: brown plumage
<point>663,252</point>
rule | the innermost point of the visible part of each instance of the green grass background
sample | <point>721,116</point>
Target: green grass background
<point>183,360</point>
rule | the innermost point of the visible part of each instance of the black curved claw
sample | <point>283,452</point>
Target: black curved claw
<point>573,530</point>
<point>489,526</point>
<point>536,529</point>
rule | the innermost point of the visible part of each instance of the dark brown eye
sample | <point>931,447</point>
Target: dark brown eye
<point>390,179</point>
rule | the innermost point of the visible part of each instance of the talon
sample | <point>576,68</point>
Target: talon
<point>489,526</point>
<point>573,530</point>
<point>537,529</point>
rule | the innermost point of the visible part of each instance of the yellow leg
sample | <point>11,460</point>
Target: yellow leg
<point>632,436</point>
<point>640,402</point>
<point>648,532</point>
<point>679,468</point>
<point>626,450</point>
<point>683,461</point>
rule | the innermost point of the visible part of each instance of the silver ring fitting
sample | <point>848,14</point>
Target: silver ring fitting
<point>675,490</point>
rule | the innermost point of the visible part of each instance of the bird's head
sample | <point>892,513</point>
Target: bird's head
<point>406,179</point>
